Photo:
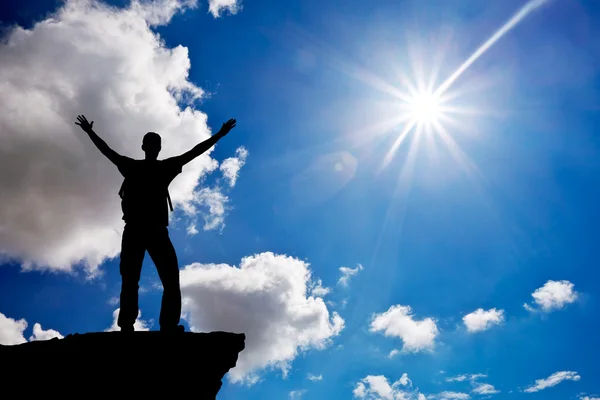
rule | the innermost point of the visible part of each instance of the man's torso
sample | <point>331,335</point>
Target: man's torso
<point>145,190</point>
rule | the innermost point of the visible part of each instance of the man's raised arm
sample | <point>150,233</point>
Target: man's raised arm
<point>207,144</point>
<point>100,144</point>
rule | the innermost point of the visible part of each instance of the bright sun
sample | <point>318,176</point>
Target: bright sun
<point>425,108</point>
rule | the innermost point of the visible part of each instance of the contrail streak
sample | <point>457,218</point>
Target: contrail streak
<point>528,8</point>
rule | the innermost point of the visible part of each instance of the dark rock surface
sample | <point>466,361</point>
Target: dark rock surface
<point>136,365</point>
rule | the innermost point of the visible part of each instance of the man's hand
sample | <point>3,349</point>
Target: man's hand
<point>87,126</point>
<point>227,126</point>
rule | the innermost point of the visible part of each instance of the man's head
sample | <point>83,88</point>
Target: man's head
<point>151,145</point>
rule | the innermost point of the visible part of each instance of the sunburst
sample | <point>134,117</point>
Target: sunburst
<point>423,108</point>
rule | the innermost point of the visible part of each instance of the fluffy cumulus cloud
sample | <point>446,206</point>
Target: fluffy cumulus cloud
<point>480,320</point>
<point>399,321</point>
<point>377,387</point>
<point>553,380</point>
<point>552,296</point>
<point>218,7</point>
<point>268,298</point>
<point>58,205</point>
<point>41,334</point>
<point>347,273</point>
<point>11,331</point>
<point>138,325</point>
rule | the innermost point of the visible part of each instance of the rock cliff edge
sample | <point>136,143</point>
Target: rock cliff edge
<point>139,364</point>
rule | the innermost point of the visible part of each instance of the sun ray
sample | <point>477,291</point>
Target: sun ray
<point>392,151</point>
<point>456,152</point>
<point>528,8</point>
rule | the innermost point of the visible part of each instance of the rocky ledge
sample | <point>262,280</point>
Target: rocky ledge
<point>139,364</point>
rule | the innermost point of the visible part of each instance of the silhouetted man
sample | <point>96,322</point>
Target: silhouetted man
<point>145,196</point>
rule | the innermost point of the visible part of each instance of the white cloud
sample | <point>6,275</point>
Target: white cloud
<point>477,376</point>
<point>398,321</point>
<point>464,377</point>
<point>314,378</point>
<point>214,201</point>
<point>348,273</point>
<point>40,334</point>
<point>394,353</point>
<point>318,290</point>
<point>377,387</point>
<point>296,394</point>
<point>217,204</point>
<point>230,167</point>
<point>452,396</point>
<point>458,378</point>
<point>553,295</point>
<point>265,298</point>
<point>159,12</point>
<point>553,380</point>
<point>480,320</point>
<point>485,388</point>
<point>588,398</point>
<point>478,387</point>
<point>139,324</point>
<point>11,331</point>
<point>217,7</point>
<point>404,380</point>
<point>59,205</point>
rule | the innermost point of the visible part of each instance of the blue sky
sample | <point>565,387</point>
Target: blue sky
<point>467,262</point>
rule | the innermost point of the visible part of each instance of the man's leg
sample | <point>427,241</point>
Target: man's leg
<point>164,257</point>
<point>132,257</point>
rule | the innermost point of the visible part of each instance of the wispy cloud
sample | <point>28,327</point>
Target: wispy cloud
<point>348,273</point>
<point>297,394</point>
<point>485,388</point>
<point>318,290</point>
<point>553,380</point>
<point>230,167</point>
<point>464,377</point>
<point>314,378</point>
<point>450,396</point>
